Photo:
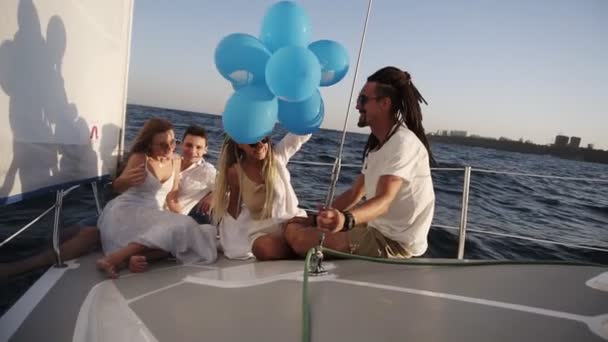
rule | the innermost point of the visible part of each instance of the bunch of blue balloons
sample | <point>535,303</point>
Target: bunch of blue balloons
<point>276,77</point>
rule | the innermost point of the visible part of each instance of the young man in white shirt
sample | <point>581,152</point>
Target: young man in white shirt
<point>197,176</point>
<point>394,219</point>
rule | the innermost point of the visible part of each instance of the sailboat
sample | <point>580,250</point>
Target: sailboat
<point>49,138</point>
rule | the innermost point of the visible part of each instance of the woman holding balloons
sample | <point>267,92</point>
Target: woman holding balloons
<point>275,77</point>
<point>254,197</point>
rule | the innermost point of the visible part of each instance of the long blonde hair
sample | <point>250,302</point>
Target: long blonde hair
<point>230,155</point>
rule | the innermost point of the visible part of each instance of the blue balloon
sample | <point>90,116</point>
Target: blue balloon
<point>250,114</point>
<point>302,117</point>
<point>293,73</point>
<point>285,23</point>
<point>312,126</point>
<point>333,58</point>
<point>241,59</point>
<point>291,113</point>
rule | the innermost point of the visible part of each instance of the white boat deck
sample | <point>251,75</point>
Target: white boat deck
<point>356,301</point>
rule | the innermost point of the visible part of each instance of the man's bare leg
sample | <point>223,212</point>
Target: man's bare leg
<point>272,247</point>
<point>85,241</point>
<point>302,238</point>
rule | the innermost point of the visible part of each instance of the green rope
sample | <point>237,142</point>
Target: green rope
<point>454,262</point>
<point>306,331</point>
<point>305,303</point>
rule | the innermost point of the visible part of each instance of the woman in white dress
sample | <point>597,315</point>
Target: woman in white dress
<point>135,224</point>
<point>254,197</point>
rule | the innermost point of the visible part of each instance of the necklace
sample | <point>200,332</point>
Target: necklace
<point>159,161</point>
<point>380,144</point>
<point>389,135</point>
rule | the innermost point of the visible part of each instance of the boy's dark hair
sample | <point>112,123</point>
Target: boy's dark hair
<point>196,131</point>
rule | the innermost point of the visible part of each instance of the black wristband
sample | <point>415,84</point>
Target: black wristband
<point>349,221</point>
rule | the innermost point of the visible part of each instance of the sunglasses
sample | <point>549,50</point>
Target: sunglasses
<point>363,99</point>
<point>170,145</point>
<point>263,141</point>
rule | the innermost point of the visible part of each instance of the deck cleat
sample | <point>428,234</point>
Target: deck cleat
<point>316,261</point>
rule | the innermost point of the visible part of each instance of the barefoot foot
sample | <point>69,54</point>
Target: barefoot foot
<point>138,264</point>
<point>106,266</point>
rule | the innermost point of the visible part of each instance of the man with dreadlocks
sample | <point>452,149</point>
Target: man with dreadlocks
<point>394,219</point>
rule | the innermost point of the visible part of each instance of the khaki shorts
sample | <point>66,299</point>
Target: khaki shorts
<point>367,241</point>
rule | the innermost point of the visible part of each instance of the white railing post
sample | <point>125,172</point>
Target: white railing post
<point>463,214</point>
<point>56,239</point>
<point>96,195</point>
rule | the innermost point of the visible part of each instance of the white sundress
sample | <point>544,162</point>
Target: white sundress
<point>137,216</point>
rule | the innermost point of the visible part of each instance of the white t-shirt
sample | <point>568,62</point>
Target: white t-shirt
<point>195,183</point>
<point>409,216</point>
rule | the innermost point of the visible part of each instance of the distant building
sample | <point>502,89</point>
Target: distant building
<point>504,139</point>
<point>477,136</point>
<point>458,133</point>
<point>590,146</point>
<point>575,142</point>
<point>561,141</point>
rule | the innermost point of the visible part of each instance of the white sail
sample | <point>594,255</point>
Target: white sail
<point>63,79</point>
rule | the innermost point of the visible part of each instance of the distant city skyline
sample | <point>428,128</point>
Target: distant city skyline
<point>465,133</point>
<point>531,69</point>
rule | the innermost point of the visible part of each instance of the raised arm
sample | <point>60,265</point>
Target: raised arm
<point>133,174</point>
<point>289,145</point>
<point>172,196</point>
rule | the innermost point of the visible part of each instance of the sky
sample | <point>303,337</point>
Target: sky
<point>527,69</point>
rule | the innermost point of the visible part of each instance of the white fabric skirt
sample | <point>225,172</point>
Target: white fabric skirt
<point>121,224</point>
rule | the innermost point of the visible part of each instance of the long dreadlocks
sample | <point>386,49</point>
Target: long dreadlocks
<point>397,85</point>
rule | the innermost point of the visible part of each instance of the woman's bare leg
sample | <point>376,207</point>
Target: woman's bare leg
<point>112,263</point>
<point>139,263</point>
